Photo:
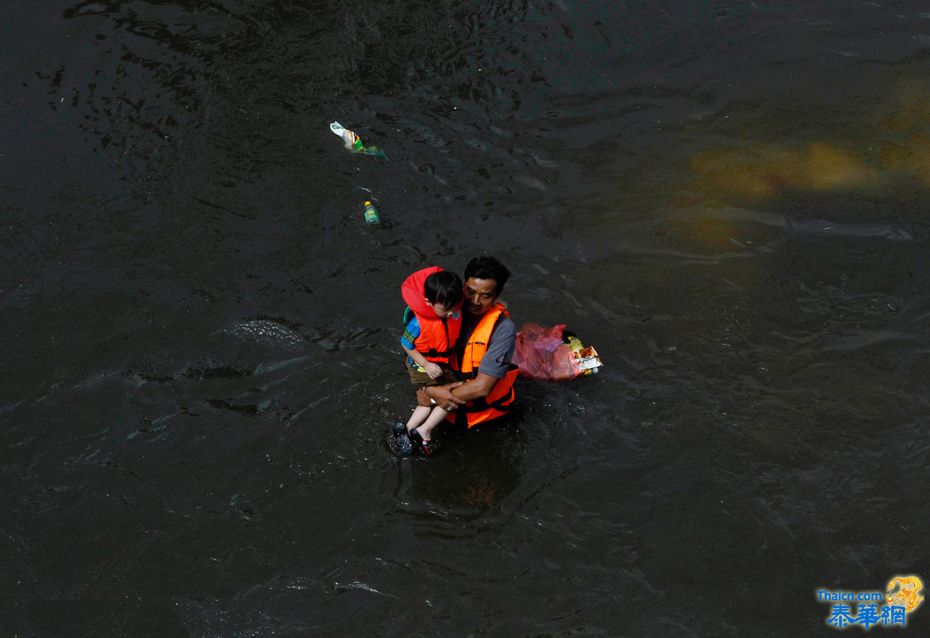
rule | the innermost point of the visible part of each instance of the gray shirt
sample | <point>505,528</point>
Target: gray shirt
<point>496,359</point>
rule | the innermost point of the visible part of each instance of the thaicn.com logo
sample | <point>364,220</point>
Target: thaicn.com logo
<point>866,609</point>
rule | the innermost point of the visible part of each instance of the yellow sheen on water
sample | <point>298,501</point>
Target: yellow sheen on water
<point>829,167</point>
<point>761,171</point>
<point>722,173</point>
<point>910,156</point>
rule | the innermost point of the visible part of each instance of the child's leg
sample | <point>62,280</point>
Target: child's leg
<point>421,412</point>
<point>419,415</point>
<point>435,418</point>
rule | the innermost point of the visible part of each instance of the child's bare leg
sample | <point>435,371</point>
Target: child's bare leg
<point>435,418</point>
<point>420,414</point>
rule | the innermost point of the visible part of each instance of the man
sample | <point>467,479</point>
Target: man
<point>483,350</point>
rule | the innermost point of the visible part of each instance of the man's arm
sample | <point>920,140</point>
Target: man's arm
<point>493,368</point>
<point>476,388</point>
<point>452,395</point>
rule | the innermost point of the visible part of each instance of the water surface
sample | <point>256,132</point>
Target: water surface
<point>201,355</point>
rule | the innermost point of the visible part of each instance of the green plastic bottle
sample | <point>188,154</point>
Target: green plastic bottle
<point>371,214</point>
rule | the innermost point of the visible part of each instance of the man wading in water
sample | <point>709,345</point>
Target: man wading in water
<point>483,352</point>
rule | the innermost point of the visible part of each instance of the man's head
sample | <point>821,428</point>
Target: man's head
<point>484,280</point>
<point>443,292</point>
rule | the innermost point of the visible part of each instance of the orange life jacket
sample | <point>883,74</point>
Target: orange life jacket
<point>498,402</point>
<point>437,336</point>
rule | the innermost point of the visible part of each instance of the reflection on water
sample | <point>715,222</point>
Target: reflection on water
<point>762,171</point>
<point>898,144</point>
<point>911,158</point>
<point>477,470</point>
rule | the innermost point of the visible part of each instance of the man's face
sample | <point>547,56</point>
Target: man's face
<point>480,295</point>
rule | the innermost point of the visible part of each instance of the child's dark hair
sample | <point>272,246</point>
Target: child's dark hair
<point>443,287</point>
<point>488,268</point>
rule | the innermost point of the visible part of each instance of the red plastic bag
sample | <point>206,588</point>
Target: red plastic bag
<point>542,354</point>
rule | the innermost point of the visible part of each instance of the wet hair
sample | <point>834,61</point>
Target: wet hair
<point>488,268</point>
<point>443,287</point>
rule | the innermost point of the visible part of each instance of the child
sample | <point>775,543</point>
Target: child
<point>431,325</point>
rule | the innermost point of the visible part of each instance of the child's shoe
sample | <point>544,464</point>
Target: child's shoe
<point>399,428</point>
<point>428,447</point>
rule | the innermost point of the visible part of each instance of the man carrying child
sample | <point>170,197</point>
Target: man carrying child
<point>481,356</point>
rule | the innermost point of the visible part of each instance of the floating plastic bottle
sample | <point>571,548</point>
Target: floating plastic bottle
<point>353,142</point>
<point>371,214</point>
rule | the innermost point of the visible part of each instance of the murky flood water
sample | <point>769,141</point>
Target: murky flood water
<point>729,200</point>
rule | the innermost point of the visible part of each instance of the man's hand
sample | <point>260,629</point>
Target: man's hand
<point>442,395</point>
<point>433,370</point>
